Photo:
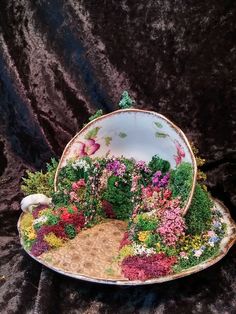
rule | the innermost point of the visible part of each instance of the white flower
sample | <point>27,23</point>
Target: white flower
<point>42,219</point>
<point>140,249</point>
<point>82,164</point>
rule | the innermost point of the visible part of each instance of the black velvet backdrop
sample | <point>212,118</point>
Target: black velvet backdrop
<point>62,60</point>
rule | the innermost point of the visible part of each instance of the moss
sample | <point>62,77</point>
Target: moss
<point>198,217</point>
<point>192,260</point>
<point>160,164</point>
<point>181,181</point>
<point>39,182</point>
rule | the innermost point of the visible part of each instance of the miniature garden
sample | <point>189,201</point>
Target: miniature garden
<point>150,197</point>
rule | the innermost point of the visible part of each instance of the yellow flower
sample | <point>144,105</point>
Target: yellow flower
<point>143,235</point>
<point>26,221</point>
<point>158,247</point>
<point>126,250</point>
<point>53,240</point>
<point>44,211</point>
<point>30,233</point>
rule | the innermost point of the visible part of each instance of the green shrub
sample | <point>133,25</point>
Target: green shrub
<point>146,223</point>
<point>181,181</point>
<point>39,182</point>
<point>70,231</point>
<point>198,216</point>
<point>158,163</point>
<point>119,195</point>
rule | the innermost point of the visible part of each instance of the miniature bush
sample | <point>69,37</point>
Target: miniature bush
<point>181,181</point>
<point>198,216</point>
<point>118,194</point>
<point>146,223</point>
<point>39,182</point>
<point>160,164</point>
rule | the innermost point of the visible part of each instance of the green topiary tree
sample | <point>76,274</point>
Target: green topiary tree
<point>126,101</point>
<point>198,216</point>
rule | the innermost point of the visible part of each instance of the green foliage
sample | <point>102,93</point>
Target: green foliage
<point>126,101</point>
<point>52,219</point>
<point>181,181</point>
<point>70,231</point>
<point>28,243</point>
<point>39,182</point>
<point>129,163</point>
<point>158,163</point>
<point>152,240</point>
<point>119,195</point>
<point>69,174</point>
<point>192,260</point>
<point>146,223</point>
<point>59,198</point>
<point>198,216</point>
<point>97,114</point>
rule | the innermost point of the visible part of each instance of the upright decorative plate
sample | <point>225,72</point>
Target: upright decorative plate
<point>132,133</point>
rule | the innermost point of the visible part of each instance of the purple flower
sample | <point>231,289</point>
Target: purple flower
<point>39,247</point>
<point>159,180</point>
<point>116,167</point>
<point>141,165</point>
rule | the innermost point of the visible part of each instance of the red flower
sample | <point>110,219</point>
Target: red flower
<point>107,207</point>
<point>167,194</point>
<point>65,216</point>
<point>58,230</point>
<point>146,267</point>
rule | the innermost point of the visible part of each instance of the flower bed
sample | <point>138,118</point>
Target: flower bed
<point>159,240</point>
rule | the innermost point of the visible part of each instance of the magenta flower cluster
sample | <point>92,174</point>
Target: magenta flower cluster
<point>172,225</point>
<point>117,167</point>
<point>159,180</point>
<point>141,165</point>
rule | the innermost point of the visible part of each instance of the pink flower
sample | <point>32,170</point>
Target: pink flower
<point>172,225</point>
<point>198,253</point>
<point>73,196</point>
<point>77,185</point>
<point>87,148</point>
<point>211,233</point>
<point>180,153</point>
<point>183,255</point>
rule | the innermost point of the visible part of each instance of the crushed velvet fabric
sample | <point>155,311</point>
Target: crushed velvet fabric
<point>60,61</point>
